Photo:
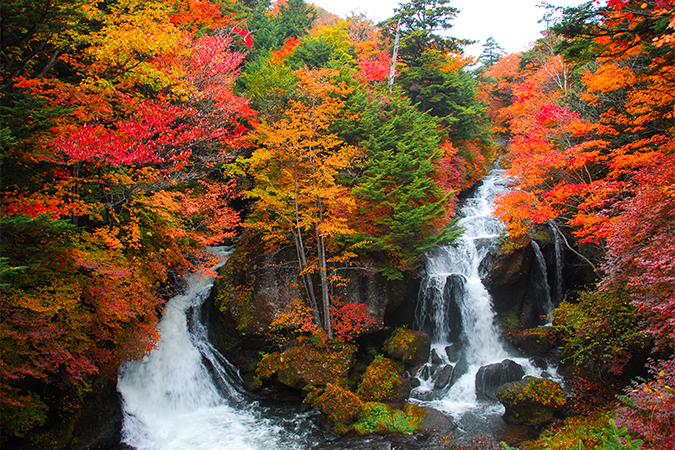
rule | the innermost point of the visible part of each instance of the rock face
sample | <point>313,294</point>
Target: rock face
<point>531,401</point>
<point>490,377</point>
<point>258,286</point>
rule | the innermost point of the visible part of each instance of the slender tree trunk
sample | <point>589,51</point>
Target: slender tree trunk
<point>302,259</point>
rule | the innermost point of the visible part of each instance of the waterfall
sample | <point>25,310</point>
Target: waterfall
<point>558,290</point>
<point>184,395</point>
<point>540,283</point>
<point>455,308</point>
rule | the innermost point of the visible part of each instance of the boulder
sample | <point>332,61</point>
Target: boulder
<point>443,377</point>
<point>383,382</point>
<point>531,401</point>
<point>410,347</point>
<point>308,364</point>
<point>490,377</point>
<point>340,405</point>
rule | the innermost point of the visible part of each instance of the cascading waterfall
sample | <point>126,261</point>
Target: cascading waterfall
<point>557,291</point>
<point>455,308</point>
<point>541,285</point>
<point>183,395</point>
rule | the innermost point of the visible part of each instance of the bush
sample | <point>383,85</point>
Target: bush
<point>601,332</point>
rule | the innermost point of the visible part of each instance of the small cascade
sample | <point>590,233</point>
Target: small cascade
<point>184,394</point>
<point>455,309</point>
<point>540,283</point>
<point>557,291</point>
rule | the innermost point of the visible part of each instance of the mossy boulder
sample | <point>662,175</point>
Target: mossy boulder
<point>412,348</point>
<point>382,381</point>
<point>531,401</point>
<point>536,341</point>
<point>379,418</point>
<point>308,364</point>
<point>338,403</point>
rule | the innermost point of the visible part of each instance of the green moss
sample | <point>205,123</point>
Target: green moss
<point>533,402</point>
<point>379,418</point>
<point>381,381</point>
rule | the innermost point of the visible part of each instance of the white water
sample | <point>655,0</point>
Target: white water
<point>172,401</point>
<point>480,340</point>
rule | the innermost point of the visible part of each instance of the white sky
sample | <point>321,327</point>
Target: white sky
<point>513,23</point>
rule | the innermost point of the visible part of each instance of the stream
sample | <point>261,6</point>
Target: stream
<point>185,395</point>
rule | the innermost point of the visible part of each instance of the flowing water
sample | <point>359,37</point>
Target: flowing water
<point>184,395</point>
<point>455,309</point>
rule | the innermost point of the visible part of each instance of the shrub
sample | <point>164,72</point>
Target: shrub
<point>601,331</point>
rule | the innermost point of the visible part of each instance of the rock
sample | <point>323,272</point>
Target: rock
<point>308,364</point>
<point>461,368</point>
<point>536,341</point>
<point>383,382</point>
<point>453,353</point>
<point>443,378</point>
<point>435,359</point>
<point>490,377</point>
<point>340,405</point>
<point>410,347</point>
<point>436,421</point>
<point>531,401</point>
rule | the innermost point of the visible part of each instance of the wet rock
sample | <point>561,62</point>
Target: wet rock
<point>410,347</point>
<point>443,378</point>
<point>531,401</point>
<point>453,352</point>
<point>461,368</point>
<point>490,377</point>
<point>435,359</point>
<point>436,421</point>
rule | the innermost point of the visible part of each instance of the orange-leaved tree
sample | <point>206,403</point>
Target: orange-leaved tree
<point>296,170</point>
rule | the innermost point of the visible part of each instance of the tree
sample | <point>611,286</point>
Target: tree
<point>297,194</point>
<point>113,153</point>
<point>492,51</point>
<point>401,208</point>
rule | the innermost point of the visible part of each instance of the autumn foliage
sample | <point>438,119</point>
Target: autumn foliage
<point>589,111</point>
<point>111,181</point>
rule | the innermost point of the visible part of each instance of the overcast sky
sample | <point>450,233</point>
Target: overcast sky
<point>513,23</point>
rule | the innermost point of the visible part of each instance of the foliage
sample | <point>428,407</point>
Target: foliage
<point>401,210</point>
<point>648,407</point>
<point>341,405</point>
<point>601,331</point>
<point>380,418</point>
<point>406,345</point>
<point>531,401</point>
<point>116,119</point>
<point>381,381</point>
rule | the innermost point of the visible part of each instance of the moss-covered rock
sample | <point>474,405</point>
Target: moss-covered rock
<point>536,341</point>
<point>382,381</point>
<point>377,417</point>
<point>410,347</point>
<point>531,401</point>
<point>338,403</point>
<point>308,364</point>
